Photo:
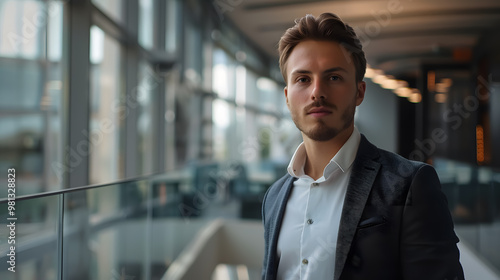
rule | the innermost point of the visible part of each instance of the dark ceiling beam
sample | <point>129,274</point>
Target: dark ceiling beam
<point>360,20</point>
<point>434,13</point>
<point>270,5</point>
<point>384,35</point>
<point>431,32</point>
<point>442,53</point>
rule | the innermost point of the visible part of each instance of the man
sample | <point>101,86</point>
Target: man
<point>348,210</point>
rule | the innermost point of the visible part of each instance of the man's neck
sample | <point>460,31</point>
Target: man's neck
<point>319,153</point>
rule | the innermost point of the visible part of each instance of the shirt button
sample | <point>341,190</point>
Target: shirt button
<point>315,184</point>
<point>310,221</point>
<point>305,261</point>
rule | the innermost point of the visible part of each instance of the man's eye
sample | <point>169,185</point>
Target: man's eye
<point>302,80</point>
<point>334,78</point>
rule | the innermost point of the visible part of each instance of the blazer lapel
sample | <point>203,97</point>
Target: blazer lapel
<point>274,224</point>
<point>363,175</point>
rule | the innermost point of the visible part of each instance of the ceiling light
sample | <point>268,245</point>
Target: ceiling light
<point>402,83</point>
<point>431,80</point>
<point>390,84</point>
<point>373,73</point>
<point>441,88</point>
<point>415,97</point>
<point>380,79</point>
<point>403,91</point>
<point>447,82</point>
<point>370,72</point>
<point>440,97</point>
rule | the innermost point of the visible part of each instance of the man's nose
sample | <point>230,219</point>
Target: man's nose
<point>318,90</point>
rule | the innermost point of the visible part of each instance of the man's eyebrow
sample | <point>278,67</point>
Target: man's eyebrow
<point>334,69</point>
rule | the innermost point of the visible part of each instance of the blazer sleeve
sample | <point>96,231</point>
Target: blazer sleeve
<point>266,238</point>
<point>428,241</point>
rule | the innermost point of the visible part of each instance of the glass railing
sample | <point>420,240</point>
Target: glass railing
<point>128,230</point>
<point>135,229</point>
<point>473,194</point>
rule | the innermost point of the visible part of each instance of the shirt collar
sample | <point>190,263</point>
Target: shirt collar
<point>343,159</point>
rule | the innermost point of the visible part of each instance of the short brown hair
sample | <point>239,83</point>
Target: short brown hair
<point>326,27</point>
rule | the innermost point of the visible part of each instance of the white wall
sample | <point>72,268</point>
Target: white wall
<point>376,117</point>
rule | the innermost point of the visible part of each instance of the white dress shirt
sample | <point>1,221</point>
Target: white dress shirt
<point>308,238</point>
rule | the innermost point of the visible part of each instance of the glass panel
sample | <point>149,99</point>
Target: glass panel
<point>260,137</point>
<point>175,217</point>
<point>106,232</point>
<point>172,18</point>
<point>223,76</point>
<point>31,93</point>
<point>246,133</point>
<point>489,228</point>
<point>224,144</point>
<point>35,238</point>
<point>146,23</point>
<point>113,8</point>
<point>229,38</point>
<point>473,195</point>
<point>269,95</point>
<point>266,135</point>
<point>174,152</point>
<point>253,59</point>
<point>253,92</point>
<point>193,52</point>
<point>450,88</point>
<point>23,30</point>
<point>147,95</point>
<point>107,112</point>
<point>489,240</point>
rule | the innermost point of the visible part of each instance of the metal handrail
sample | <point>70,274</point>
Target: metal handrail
<point>74,189</point>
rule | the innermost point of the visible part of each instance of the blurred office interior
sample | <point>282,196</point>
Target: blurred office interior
<point>144,133</point>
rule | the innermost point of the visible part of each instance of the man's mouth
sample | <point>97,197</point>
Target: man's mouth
<point>319,111</point>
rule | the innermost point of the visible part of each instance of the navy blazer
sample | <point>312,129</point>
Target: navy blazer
<point>395,222</point>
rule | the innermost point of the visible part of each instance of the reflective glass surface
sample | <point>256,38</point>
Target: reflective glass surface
<point>224,77</point>
<point>108,109</point>
<point>31,93</point>
<point>147,96</point>
<point>473,194</point>
<point>33,231</point>
<point>146,23</point>
<point>113,8</point>
<point>223,129</point>
<point>138,229</point>
<point>193,59</point>
<point>105,232</point>
<point>172,26</point>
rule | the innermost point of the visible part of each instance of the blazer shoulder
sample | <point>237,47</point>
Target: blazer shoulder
<point>401,165</point>
<point>273,191</point>
<point>389,161</point>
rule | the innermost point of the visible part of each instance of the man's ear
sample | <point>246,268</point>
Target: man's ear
<point>360,94</point>
<point>286,94</point>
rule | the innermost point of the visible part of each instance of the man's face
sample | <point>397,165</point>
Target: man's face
<point>321,92</point>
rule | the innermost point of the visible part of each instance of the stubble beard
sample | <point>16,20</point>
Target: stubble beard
<point>321,131</point>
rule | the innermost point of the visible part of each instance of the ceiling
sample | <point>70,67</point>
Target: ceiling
<point>397,35</point>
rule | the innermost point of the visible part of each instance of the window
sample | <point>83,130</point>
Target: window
<point>147,96</point>
<point>193,53</point>
<point>146,23</point>
<point>113,8</point>
<point>31,93</point>
<point>108,110</point>
<point>171,34</point>
<point>223,74</point>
